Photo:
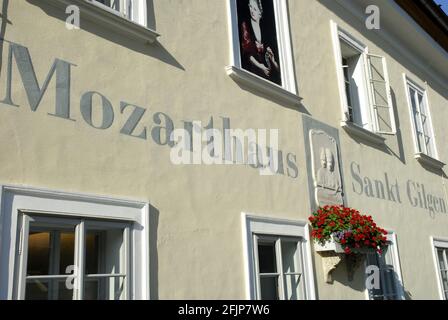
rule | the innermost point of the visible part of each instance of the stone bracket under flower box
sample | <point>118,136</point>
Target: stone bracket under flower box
<point>333,254</point>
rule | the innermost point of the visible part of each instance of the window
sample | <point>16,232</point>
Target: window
<point>73,259</point>
<point>279,268</point>
<point>364,85</point>
<point>279,259</point>
<point>261,48</point>
<point>441,257</point>
<point>134,10</point>
<point>421,120</point>
<point>60,245</point>
<point>390,284</point>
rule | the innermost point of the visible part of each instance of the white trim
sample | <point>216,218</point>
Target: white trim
<point>111,19</point>
<point>340,75</point>
<point>362,133</point>
<point>392,237</point>
<point>438,242</point>
<point>14,199</point>
<point>262,85</point>
<point>372,134</point>
<point>431,160</point>
<point>390,104</point>
<point>256,224</point>
<point>287,92</point>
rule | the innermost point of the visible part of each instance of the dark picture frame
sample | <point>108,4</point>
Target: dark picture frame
<point>257,21</point>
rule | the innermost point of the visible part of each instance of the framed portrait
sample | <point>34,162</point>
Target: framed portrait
<point>261,44</point>
<point>258,39</point>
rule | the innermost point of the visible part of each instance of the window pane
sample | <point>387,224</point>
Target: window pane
<point>444,279</point>
<point>114,4</point>
<point>110,288</point>
<point>92,253</point>
<point>67,251</point>
<point>104,251</point>
<point>292,287</point>
<point>441,260</point>
<point>443,269</point>
<point>289,257</point>
<point>422,105</point>
<point>38,253</point>
<point>388,283</point>
<point>45,289</point>
<point>266,258</point>
<point>269,288</point>
<point>417,121</point>
<point>50,252</point>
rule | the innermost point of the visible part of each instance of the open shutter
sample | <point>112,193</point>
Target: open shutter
<point>380,95</point>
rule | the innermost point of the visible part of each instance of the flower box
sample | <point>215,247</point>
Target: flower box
<point>330,245</point>
<point>345,230</point>
<point>333,245</point>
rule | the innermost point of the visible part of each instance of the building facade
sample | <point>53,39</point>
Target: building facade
<point>123,176</point>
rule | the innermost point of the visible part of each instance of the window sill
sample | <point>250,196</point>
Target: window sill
<point>362,133</point>
<point>263,86</point>
<point>110,19</point>
<point>429,161</point>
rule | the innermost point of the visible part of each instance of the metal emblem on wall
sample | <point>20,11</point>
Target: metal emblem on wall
<point>323,163</point>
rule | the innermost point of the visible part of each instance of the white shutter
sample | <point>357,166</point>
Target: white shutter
<point>384,120</point>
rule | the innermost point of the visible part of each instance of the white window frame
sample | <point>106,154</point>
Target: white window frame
<point>138,10</point>
<point>438,242</point>
<point>255,225</point>
<point>15,200</point>
<point>79,226</point>
<point>287,92</point>
<point>391,238</point>
<point>338,34</point>
<point>422,89</point>
<point>137,27</point>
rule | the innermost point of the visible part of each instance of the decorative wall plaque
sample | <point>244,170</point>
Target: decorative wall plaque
<point>325,176</point>
<point>325,169</point>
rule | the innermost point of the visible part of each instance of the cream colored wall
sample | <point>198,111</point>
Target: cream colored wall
<point>199,246</point>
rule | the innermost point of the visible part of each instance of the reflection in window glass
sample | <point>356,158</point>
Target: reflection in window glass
<point>280,270</point>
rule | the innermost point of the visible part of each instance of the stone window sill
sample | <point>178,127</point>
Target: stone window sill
<point>362,133</point>
<point>429,161</point>
<point>275,92</point>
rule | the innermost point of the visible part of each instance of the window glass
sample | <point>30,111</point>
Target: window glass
<point>38,253</point>
<point>269,288</point>
<point>53,261</point>
<point>280,271</point>
<point>104,264</point>
<point>266,258</point>
<point>441,255</point>
<point>422,123</point>
<point>389,280</point>
<point>50,256</point>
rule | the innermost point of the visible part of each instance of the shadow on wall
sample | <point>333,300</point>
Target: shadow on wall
<point>4,22</point>
<point>353,275</point>
<point>398,134</point>
<point>153,253</point>
<point>154,50</point>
